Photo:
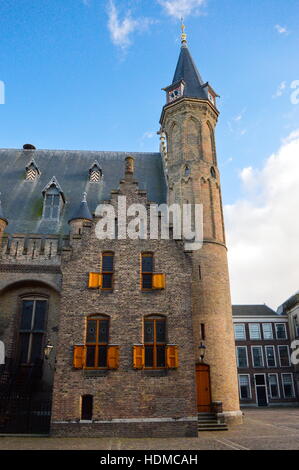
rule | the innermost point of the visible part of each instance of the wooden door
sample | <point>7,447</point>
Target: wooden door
<point>203,388</point>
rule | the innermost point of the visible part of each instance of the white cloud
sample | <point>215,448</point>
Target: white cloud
<point>181,8</point>
<point>263,230</point>
<point>121,30</point>
<point>281,29</point>
<point>280,90</point>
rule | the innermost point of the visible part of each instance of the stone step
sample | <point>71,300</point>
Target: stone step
<point>212,427</point>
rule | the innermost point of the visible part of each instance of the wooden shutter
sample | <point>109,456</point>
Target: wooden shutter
<point>113,357</point>
<point>79,356</point>
<point>138,356</point>
<point>159,281</point>
<point>172,357</point>
<point>95,280</point>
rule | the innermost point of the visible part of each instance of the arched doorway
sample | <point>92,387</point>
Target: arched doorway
<point>203,388</point>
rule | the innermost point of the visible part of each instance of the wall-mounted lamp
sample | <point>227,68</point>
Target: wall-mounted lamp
<point>47,350</point>
<point>202,351</point>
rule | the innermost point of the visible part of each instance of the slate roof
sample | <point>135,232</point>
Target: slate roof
<point>252,310</point>
<point>186,70</point>
<point>22,201</point>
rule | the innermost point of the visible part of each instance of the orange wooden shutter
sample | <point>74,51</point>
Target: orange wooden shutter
<point>172,357</point>
<point>79,356</point>
<point>138,356</point>
<point>113,357</point>
<point>159,281</point>
<point>95,280</point>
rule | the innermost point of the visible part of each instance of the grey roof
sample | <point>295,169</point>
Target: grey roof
<point>22,200</point>
<point>252,310</point>
<point>186,70</point>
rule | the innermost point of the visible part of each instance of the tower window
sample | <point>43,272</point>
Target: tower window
<point>97,337</point>
<point>107,270</point>
<point>32,330</point>
<point>86,407</point>
<point>187,171</point>
<point>155,343</point>
<point>147,268</point>
<point>213,172</point>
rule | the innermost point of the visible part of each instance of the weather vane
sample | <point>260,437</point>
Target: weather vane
<point>184,35</point>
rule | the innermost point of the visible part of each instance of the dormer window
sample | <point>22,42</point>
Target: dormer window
<point>175,91</point>
<point>32,171</point>
<point>53,200</point>
<point>95,173</point>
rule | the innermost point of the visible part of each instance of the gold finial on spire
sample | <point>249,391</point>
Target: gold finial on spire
<point>184,35</point>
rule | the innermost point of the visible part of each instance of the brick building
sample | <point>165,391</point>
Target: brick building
<point>265,372</point>
<point>291,308</point>
<point>109,330</point>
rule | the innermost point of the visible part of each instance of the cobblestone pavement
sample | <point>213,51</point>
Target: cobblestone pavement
<point>263,429</point>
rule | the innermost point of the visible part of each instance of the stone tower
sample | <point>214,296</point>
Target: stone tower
<point>188,122</point>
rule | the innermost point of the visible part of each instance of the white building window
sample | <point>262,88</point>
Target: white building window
<point>284,356</point>
<point>257,356</point>
<point>242,358</point>
<point>281,332</point>
<point>267,331</point>
<point>240,333</point>
<point>244,386</point>
<point>254,331</point>
<point>288,385</point>
<point>273,386</point>
<point>270,356</point>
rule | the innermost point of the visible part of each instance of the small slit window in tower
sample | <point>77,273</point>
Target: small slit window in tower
<point>187,171</point>
<point>213,172</point>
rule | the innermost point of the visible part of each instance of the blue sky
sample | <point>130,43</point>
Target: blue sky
<point>68,85</point>
<point>87,74</point>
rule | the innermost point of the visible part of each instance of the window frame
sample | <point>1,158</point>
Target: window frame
<point>272,336</point>
<point>277,384</point>
<point>97,344</point>
<point>285,331</point>
<point>52,192</point>
<point>249,387</point>
<point>238,362</point>
<point>148,254</point>
<point>31,332</point>
<point>110,273</point>
<point>252,356</point>
<point>259,329</point>
<point>244,331</point>
<point>266,355</point>
<point>292,384</point>
<point>279,356</point>
<point>155,344</point>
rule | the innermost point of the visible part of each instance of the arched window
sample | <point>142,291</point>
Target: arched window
<point>187,171</point>
<point>155,342</point>
<point>86,407</point>
<point>32,329</point>
<point>213,172</point>
<point>97,338</point>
